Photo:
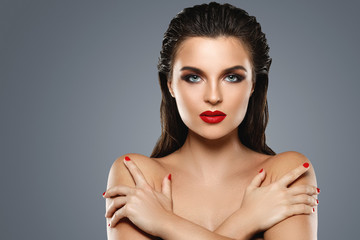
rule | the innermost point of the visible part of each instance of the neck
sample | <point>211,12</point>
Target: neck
<point>213,159</point>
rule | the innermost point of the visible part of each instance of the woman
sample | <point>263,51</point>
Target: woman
<point>203,180</point>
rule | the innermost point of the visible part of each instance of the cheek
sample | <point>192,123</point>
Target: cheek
<point>242,110</point>
<point>238,104</point>
<point>186,99</point>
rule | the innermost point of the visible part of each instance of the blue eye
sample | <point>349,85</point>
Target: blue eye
<point>234,78</point>
<point>192,78</point>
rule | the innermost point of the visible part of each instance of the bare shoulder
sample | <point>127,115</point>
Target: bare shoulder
<point>280,164</point>
<point>119,174</point>
<point>303,226</point>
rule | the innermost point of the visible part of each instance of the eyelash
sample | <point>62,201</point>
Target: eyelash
<point>237,76</point>
<point>187,78</point>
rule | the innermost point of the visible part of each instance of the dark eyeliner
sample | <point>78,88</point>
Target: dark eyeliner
<point>187,78</point>
<point>239,77</point>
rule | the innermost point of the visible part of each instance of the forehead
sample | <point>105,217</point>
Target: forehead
<point>212,53</point>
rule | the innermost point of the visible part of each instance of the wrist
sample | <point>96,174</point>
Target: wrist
<point>240,225</point>
<point>165,225</point>
<point>249,223</point>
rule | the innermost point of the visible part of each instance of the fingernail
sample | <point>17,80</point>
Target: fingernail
<point>109,225</point>
<point>169,177</point>
<point>306,165</point>
<point>313,209</point>
<point>261,170</point>
<point>317,201</point>
<point>103,193</point>
<point>318,190</point>
<point>127,158</point>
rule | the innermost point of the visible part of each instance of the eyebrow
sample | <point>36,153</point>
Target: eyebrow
<point>199,71</point>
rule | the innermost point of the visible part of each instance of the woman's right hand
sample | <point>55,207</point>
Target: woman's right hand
<point>269,205</point>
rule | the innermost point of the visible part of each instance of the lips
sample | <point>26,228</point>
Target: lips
<point>212,117</point>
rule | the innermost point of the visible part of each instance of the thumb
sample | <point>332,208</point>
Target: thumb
<point>166,186</point>
<point>258,179</point>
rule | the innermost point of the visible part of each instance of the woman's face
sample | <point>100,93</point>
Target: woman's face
<point>211,82</point>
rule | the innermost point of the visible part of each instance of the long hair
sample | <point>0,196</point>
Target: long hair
<point>214,20</point>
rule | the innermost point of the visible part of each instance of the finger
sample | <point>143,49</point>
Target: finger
<point>166,186</point>
<point>293,175</point>
<point>135,172</point>
<point>303,189</point>
<point>119,190</point>
<point>304,199</point>
<point>114,206</point>
<point>299,209</point>
<point>258,179</point>
<point>118,215</point>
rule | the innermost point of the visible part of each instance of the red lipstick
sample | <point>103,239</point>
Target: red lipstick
<point>212,117</point>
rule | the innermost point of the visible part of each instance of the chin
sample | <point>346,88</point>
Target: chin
<point>215,134</point>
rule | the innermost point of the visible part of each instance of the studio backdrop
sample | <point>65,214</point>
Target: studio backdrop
<point>79,88</point>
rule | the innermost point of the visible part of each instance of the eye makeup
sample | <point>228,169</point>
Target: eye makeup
<point>229,75</point>
<point>191,78</point>
<point>231,78</point>
<point>234,78</point>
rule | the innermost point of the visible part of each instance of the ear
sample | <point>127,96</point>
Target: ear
<point>169,84</point>
<point>252,89</point>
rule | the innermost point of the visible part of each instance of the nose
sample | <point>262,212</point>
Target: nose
<point>213,94</point>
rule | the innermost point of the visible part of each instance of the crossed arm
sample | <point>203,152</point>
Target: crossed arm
<point>141,205</point>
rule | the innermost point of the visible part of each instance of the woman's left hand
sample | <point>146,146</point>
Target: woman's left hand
<point>142,204</point>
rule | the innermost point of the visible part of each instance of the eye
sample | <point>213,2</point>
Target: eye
<point>192,78</point>
<point>234,78</point>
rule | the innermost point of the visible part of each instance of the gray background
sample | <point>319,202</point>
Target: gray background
<point>78,88</point>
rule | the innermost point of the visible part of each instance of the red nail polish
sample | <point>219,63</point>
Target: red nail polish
<point>318,190</point>
<point>306,165</point>
<point>127,158</point>
<point>109,224</point>
<point>317,201</point>
<point>313,209</point>
<point>169,177</point>
<point>103,193</point>
<point>261,170</point>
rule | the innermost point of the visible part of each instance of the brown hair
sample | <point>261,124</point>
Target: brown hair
<point>214,20</point>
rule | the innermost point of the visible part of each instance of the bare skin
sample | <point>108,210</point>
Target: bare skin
<point>221,179</point>
<point>232,227</point>
<point>211,171</point>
